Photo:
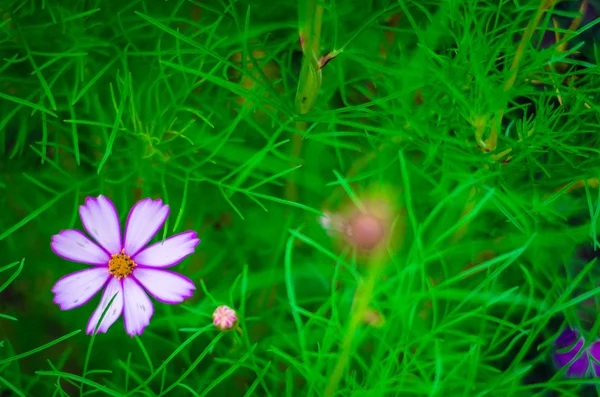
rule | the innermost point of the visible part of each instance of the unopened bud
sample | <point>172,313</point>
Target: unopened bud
<point>225,318</point>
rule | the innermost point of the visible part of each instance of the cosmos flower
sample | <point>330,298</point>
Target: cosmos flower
<point>122,266</point>
<point>567,346</point>
<point>224,318</point>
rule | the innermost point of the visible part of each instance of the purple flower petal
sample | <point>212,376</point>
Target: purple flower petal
<point>101,220</point>
<point>566,338</point>
<point>138,307</point>
<point>579,368</point>
<point>114,312</point>
<point>168,253</point>
<point>563,359</point>
<point>596,369</point>
<point>143,221</point>
<point>76,289</point>
<point>74,246</point>
<point>165,286</point>
<point>594,352</point>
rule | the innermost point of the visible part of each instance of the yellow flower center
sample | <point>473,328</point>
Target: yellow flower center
<point>121,265</point>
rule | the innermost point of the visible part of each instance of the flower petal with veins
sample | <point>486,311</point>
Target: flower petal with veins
<point>138,307</point>
<point>101,220</point>
<point>114,312</point>
<point>74,246</point>
<point>143,221</point>
<point>165,286</point>
<point>76,289</point>
<point>168,253</point>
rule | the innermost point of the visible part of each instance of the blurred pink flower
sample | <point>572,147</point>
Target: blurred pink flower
<point>364,230</point>
<point>123,266</point>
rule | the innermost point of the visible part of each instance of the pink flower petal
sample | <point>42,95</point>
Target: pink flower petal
<point>138,307</point>
<point>76,289</point>
<point>114,312</point>
<point>168,253</point>
<point>74,246</point>
<point>165,286</point>
<point>143,221</point>
<point>101,220</point>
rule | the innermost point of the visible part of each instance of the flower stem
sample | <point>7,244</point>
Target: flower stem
<point>309,84</point>
<point>362,300</point>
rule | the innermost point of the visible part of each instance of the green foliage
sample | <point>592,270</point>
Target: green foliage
<point>194,102</point>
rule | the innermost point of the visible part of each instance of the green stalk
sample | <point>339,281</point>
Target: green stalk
<point>362,301</point>
<point>309,84</point>
<point>310,20</point>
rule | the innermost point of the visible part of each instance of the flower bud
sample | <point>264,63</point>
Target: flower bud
<point>225,318</point>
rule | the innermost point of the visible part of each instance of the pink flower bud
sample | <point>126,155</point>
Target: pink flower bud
<point>225,318</point>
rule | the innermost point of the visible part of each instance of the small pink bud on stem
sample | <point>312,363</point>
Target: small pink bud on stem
<point>225,318</point>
